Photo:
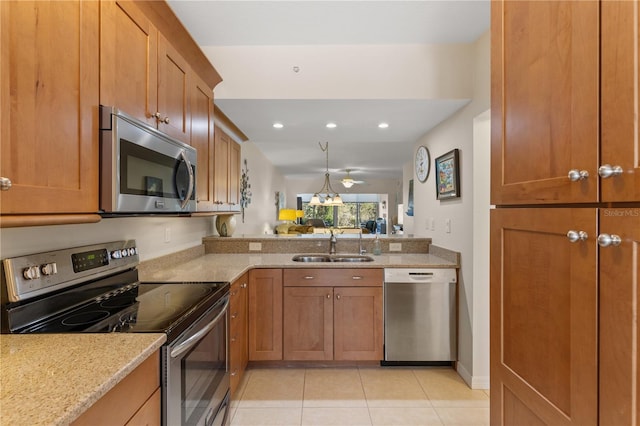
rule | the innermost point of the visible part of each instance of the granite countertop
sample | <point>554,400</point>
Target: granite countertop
<point>51,379</point>
<point>228,267</point>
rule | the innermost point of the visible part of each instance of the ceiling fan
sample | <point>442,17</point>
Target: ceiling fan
<point>348,181</point>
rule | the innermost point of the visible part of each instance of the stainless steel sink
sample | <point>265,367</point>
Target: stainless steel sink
<point>311,258</point>
<point>332,258</point>
<point>351,258</point>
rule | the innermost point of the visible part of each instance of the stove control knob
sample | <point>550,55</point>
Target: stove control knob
<point>115,254</point>
<point>132,251</point>
<point>49,268</point>
<point>124,252</point>
<point>31,273</point>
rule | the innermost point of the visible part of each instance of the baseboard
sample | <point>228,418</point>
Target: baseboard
<point>477,382</point>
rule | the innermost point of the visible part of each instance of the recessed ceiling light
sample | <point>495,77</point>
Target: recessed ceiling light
<point>383,125</point>
<point>278,125</point>
<point>331,125</point>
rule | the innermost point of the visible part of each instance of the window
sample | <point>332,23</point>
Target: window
<point>348,215</point>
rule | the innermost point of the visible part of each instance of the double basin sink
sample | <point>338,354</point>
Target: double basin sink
<point>332,258</point>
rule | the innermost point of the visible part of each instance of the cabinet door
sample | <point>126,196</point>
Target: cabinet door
<point>308,323</point>
<point>238,343</point>
<point>265,314</point>
<point>128,60</point>
<point>543,320</point>
<point>202,141</point>
<point>358,323</point>
<point>620,91</point>
<point>544,101</point>
<point>234,176</point>
<point>48,101</point>
<point>221,170</point>
<point>174,86</point>
<point>619,302</point>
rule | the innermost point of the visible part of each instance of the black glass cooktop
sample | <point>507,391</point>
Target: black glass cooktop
<point>119,304</point>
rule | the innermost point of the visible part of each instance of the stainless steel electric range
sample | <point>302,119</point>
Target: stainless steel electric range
<point>95,289</point>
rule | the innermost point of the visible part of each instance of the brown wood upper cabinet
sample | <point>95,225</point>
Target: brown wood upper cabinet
<point>562,105</point>
<point>48,103</point>
<point>226,178</point>
<point>141,72</point>
<point>332,314</point>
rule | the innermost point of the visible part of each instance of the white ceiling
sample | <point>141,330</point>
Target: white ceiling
<point>356,143</point>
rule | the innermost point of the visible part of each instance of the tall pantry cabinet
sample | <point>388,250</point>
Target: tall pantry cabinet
<point>565,234</point>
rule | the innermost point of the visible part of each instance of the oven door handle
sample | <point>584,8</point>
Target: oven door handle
<point>193,340</point>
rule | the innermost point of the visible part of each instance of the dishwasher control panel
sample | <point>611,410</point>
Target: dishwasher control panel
<point>417,275</point>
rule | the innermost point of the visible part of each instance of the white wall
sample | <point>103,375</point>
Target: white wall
<point>342,71</point>
<point>458,132</point>
<point>265,180</point>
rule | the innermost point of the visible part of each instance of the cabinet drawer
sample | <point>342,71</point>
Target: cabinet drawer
<point>313,277</point>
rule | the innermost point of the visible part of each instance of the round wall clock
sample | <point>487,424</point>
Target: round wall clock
<point>423,163</point>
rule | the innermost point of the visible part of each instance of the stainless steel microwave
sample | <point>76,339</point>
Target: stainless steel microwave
<point>142,170</point>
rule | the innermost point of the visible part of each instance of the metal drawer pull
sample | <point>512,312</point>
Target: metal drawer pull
<point>576,175</point>
<point>328,296</point>
<point>243,285</point>
<point>606,240</point>
<point>338,296</point>
<point>575,236</point>
<point>5,184</point>
<point>607,170</point>
<point>309,277</point>
<point>356,277</point>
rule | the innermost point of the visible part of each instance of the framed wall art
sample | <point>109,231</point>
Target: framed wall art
<point>448,175</point>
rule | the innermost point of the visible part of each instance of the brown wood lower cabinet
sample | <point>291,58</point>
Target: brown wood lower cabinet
<point>544,317</point>
<point>619,304</point>
<point>265,315</point>
<point>238,341</point>
<point>332,314</point>
<point>133,401</point>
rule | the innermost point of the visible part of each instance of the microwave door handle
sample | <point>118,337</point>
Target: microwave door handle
<point>193,340</point>
<point>191,180</point>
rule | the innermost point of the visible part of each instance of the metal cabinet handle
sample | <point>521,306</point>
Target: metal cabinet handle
<point>328,296</point>
<point>243,285</point>
<point>575,236</point>
<point>356,277</point>
<point>234,315</point>
<point>157,115</point>
<point>606,240</point>
<point>165,120</point>
<point>338,296</point>
<point>5,184</point>
<point>607,170</point>
<point>308,277</point>
<point>576,175</point>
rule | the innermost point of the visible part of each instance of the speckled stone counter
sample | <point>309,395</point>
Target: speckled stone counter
<point>50,379</point>
<point>228,267</point>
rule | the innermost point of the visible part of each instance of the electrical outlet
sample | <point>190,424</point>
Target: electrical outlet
<point>395,246</point>
<point>447,226</point>
<point>255,246</point>
<point>167,235</point>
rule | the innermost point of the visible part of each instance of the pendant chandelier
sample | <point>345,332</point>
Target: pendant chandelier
<point>326,196</point>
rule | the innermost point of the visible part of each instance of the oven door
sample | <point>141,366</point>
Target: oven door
<point>196,386</point>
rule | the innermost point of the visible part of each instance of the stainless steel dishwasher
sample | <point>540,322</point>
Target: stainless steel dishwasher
<point>420,316</point>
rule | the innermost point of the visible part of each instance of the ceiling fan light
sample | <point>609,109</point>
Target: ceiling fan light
<point>348,183</point>
<point>278,125</point>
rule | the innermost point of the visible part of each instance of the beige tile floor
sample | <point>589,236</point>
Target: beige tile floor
<point>358,396</point>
